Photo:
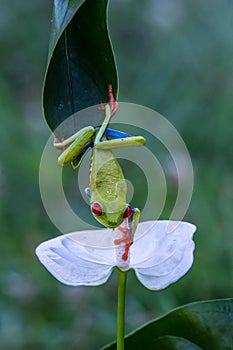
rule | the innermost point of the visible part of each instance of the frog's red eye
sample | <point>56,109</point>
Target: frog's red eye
<point>128,212</point>
<point>96,209</point>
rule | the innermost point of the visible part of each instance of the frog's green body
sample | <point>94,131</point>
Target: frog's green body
<point>107,187</point>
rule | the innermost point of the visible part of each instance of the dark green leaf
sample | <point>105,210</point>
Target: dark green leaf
<point>203,325</point>
<point>81,64</point>
<point>174,343</point>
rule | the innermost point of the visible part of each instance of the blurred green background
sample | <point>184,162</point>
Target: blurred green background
<point>173,56</point>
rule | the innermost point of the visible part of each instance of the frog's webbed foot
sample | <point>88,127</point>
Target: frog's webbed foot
<point>101,107</point>
<point>126,238</point>
<point>111,101</point>
<point>57,143</point>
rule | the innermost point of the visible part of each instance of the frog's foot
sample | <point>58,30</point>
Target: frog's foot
<point>57,141</point>
<point>101,107</point>
<point>126,238</point>
<point>113,103</point>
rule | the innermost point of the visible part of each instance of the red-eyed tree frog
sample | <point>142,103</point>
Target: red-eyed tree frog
<point>108,189</point>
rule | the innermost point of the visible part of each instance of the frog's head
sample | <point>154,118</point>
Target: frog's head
<point>109,216</point>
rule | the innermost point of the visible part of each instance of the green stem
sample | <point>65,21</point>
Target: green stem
<point>122,278</point>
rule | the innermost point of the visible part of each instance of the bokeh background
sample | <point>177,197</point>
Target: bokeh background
<point>173,56</point>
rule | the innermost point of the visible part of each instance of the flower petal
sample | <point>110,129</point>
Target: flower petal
<point>162,253</point>
<point>76,264</point>
<point>161,256</point>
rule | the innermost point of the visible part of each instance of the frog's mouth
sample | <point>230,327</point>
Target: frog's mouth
<point>112,224</point>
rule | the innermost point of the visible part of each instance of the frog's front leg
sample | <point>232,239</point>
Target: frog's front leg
<point>128,229</point>
<point>75,146</point>
<point>118,139</point>
<point>62,145</point>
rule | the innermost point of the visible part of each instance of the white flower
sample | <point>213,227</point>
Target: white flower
<point>162,252</point>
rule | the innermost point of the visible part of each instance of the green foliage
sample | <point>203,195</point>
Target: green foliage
<point>203,325</point>
<point>80,64</point>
